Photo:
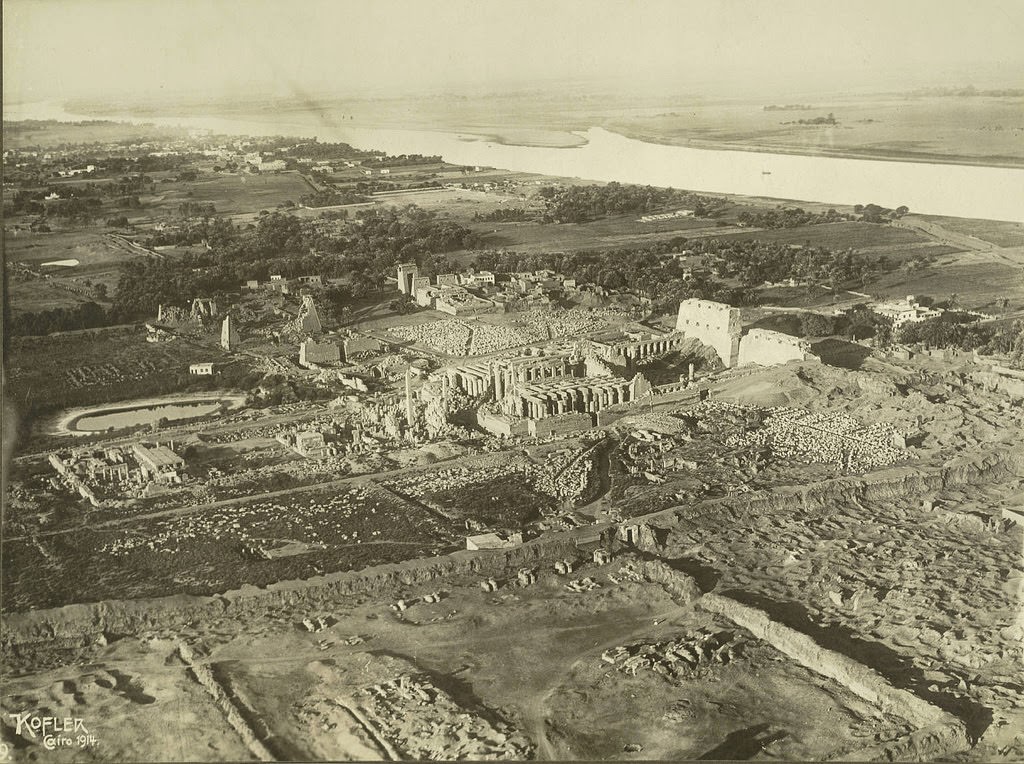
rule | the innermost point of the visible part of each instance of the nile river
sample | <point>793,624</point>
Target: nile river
<point>995,193</point>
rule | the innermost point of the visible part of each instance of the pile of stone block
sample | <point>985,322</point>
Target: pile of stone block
<point>679,658</point>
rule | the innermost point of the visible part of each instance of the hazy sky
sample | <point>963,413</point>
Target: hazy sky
<point>59,49</point>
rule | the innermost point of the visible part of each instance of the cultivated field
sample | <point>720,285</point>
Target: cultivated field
<point>99,259</point>
<point>99,366</point>
<point>607,233</point>
<point>228,192</point>
<point>980,282</point>
<point>1000,233</point>
<point>834,235</point>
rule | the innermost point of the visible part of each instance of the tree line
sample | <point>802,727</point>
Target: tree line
<point>581,204</point>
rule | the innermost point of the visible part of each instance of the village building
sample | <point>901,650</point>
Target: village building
<point>907,311</point>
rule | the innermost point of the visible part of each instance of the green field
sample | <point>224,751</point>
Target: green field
<point>90,246</point>
<point>100,258</point>
<point>979,282</point>
<point>608,233</point>
<point>998,232</point>
<point>35,295</point>
<point>834,235</point>
<point>229,193</point>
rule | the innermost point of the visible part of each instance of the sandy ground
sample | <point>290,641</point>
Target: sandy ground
<point>527,657</point>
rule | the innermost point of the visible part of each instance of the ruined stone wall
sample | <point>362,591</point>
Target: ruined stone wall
<point>768,348</point>
<point>76,624</point>
<point>991,380</point>
<point>205,677</point>
<point>860,679</point>
<point>500,425</point>
<point>714,324</point>
<point>679,586</point>
<point>560,424</point>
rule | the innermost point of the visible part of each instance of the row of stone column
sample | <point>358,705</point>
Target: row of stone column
<point>585,398</point>
<point>504,379</point>
<point>651,347</point>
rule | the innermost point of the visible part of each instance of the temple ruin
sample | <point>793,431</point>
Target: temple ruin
<point>308,320</point>
<point>714,324</point>
<point>767,348</point>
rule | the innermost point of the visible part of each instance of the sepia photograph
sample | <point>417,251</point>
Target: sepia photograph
<point>463,380</point>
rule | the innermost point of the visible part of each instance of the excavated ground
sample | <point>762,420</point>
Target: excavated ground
<point>914,573</point>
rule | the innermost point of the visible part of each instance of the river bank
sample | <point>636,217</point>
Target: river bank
<point>958,190</point>
<point>865,152</point>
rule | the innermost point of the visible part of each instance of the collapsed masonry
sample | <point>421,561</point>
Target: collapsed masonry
<point>204,307</point>
<point>356,345</point>
<point>629,347</point>
<point>308,321</point>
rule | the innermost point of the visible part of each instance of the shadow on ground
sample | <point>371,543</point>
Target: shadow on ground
<point>897,669</point>
<point>845,355</point>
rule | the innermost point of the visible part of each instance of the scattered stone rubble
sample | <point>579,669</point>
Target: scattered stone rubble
<point>526,577</point>
<point>574,322</point>
<point>685,657</point>
<point>307,520</point>
<point>822,436</point>
<point>456,337</point>
<point>563,567</point>
<point>566,474</point>
<point>424,484</point>
<point>829,438</point>
<point>424,723</point>
<point>491,338</point>
<point>585,584</point>
<point>319,623</point>
<point>449,336</point>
